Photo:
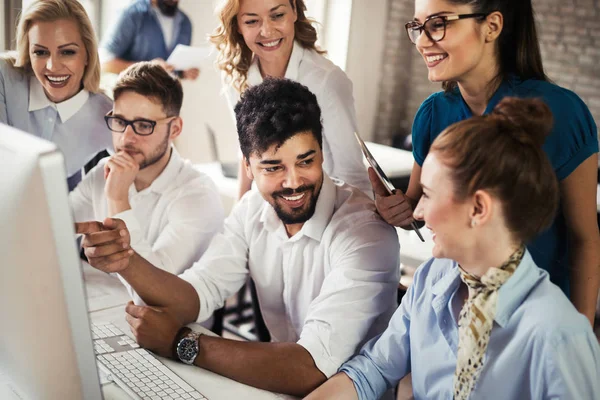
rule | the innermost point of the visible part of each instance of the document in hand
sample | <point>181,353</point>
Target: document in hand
<point>185,57</point>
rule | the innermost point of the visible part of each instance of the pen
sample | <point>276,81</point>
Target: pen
<point>416,229</point>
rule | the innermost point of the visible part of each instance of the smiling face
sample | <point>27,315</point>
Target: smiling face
<point>447,219</point>
<point>462,53</point>
<point>268,28</point>
<point>58,58</point>
<point>146,150</point>
<point>290,178</point>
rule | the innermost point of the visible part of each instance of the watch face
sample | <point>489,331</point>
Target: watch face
<point>187,350</point>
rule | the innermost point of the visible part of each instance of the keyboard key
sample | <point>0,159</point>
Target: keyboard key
<point>146,376</point>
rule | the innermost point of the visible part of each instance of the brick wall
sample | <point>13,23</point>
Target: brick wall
<point>569,33</point>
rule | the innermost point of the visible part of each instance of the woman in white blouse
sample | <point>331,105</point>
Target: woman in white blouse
<point>49,87</point>
<point>259,38</point>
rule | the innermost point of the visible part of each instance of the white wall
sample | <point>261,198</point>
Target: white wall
<point>335,31</point>
<point>364,59</point>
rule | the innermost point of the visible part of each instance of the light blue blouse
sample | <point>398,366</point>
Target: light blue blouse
<point>76,126</point>
<point>540,346</point>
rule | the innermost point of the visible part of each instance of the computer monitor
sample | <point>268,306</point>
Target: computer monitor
<point>46,349</point>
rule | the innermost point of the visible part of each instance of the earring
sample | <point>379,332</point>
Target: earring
<point>473,223</point>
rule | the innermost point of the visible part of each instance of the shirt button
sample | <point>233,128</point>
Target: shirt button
<point>50,120</point>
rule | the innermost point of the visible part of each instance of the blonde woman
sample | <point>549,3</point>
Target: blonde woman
<point>49,86</point>
<point>260,38</point>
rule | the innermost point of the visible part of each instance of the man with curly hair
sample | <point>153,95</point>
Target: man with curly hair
<point>324,263</point>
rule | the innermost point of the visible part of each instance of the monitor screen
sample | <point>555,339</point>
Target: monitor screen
<point>46,349</point>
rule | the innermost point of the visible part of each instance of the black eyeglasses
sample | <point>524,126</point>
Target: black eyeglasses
<point>142,127</point>
<point>435,26</point>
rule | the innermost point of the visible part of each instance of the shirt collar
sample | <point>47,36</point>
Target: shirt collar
<point>316,225</point>
<point>510,295</point>
<point>168,175</point>
<point>66,109</point>
<point>448,282</point>
<point>514,291</point>
<point>291,72</point>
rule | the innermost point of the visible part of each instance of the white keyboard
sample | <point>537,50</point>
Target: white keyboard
<point>136,370</point>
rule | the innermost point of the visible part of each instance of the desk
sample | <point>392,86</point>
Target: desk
<point>106,301</point>
<point>413,252</point>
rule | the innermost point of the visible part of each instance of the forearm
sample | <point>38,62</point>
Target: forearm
<point>160,288</point>
<point>117,206</point>
<point>339,386</point>
<point>277,367</point>
<point>116,65</point>
<point>585,275</point>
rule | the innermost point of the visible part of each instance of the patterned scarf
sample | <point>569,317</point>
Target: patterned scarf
<point>475,322</point>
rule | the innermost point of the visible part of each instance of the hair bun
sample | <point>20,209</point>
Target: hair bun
<point>533,116</point>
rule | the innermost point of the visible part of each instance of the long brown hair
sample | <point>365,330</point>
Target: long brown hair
<point>518,45</point>
<point>235,57</point>
<point>502,153</point>
<point>54,10</point>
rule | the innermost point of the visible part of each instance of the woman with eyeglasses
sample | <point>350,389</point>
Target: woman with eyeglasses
<point>49,87</point>
<point>481,320</point>
<point>483,51</point>
<point>260,38</point>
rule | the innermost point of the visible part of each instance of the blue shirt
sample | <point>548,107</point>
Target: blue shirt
<point>76,125</point>
<point>572,140</point>
<point>540,347</point>
<point>137,35</point>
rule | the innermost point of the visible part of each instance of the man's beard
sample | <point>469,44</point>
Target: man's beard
<point>166,7</point>
<point>297,216</point>
<point>153,158</point>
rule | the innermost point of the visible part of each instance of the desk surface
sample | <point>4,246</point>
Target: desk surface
<point>106,301</point>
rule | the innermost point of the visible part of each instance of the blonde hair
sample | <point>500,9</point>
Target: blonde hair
<point>54,10</point>
<point>235,57</point>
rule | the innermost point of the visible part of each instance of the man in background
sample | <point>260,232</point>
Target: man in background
<point>147,30</point>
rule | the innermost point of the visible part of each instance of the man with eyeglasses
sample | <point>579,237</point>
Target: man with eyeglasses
<point>172,210</point>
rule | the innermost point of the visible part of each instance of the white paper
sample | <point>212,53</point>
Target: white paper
<point>185,57</point>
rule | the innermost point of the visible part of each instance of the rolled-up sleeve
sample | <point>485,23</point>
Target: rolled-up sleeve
<point>222,270</point>
<point>360,288</point>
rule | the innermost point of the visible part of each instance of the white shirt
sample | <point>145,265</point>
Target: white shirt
<point>167,26</point>
<point>330,287</point>
<point>342,157</point>
<point>171,222</point>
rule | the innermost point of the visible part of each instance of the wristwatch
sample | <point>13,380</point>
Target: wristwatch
<point>187,348</point>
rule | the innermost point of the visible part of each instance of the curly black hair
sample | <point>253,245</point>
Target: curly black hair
<point>274,111</point>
